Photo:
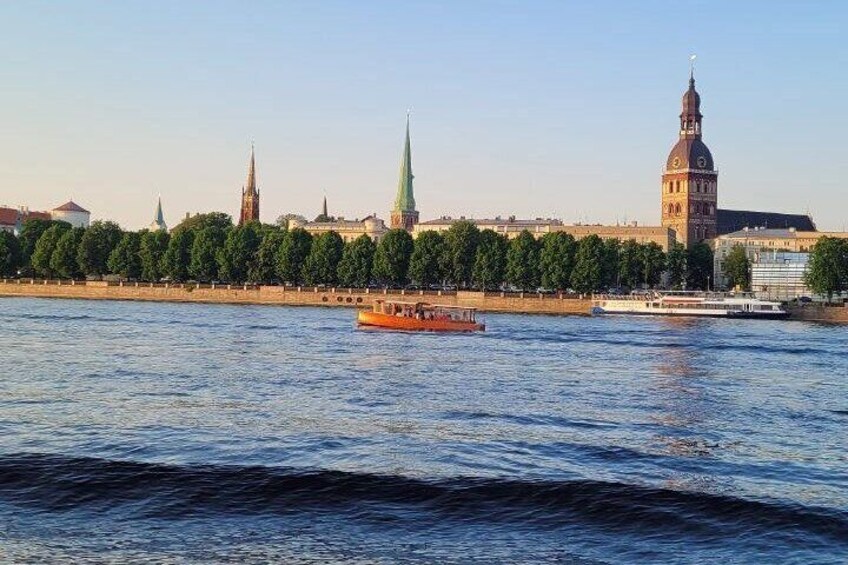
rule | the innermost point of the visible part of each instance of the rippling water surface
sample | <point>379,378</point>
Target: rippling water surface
<point>135,432</point>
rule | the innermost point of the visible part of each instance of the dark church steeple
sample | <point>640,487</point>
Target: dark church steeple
<point>250,194</point>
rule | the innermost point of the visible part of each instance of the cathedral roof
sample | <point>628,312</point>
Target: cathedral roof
<point>729,221</point>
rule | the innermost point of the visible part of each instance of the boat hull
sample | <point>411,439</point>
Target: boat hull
<point>375,319</point>
<point>777,315</point>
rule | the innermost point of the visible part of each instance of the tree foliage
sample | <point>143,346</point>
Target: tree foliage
<point>556,260</point>
<point>652,260</point>
<point>391,259</point>
<point>97,243</point>
<point>461,241</point>
<point>425,265</point>
<point>357,259</point>
<point>699,266</point>
<point>63,262</point>
<point>236,256</point>
<point>10,255</point>
<point>676,265</point>
<point>292,255</point>
<point>177,256</point>
<point>125,260</point>
<point>490,260</point>
<point>522,262</point>
<point>322,263</point>
<point>151,249</point>
<point>203,263</point>
<point>44,248</point>
<point>827,269</point>
<point>31,232</point>
<point>198,222</point>
<point>587,275</point>
<point>264,268</point>
<point>737,268</point>
<point>630,264</point>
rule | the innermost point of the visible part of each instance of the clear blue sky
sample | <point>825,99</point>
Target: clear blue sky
<point>553,109</point>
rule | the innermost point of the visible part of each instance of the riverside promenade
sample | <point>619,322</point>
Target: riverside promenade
<point>514,302</point>
<point>523,303</point>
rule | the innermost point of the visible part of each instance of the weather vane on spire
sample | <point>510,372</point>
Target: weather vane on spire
<point>692,65</point>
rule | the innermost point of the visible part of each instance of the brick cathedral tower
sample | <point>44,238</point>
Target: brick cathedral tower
<point>404,214</point>
<point>690,180</point>
<point>250,194</point>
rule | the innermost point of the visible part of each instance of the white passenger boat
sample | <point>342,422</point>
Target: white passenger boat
<point>687,303</point>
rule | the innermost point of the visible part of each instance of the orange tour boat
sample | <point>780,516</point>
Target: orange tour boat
<point>420,316</point>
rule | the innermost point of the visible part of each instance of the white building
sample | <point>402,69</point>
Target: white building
<point>72,213</point>
<point>777,275</point>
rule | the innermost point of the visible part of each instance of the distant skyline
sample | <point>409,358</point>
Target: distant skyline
<point>533,109</point>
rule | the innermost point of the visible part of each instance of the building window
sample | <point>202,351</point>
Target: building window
<point>677,208</point>
<point>697,186</point>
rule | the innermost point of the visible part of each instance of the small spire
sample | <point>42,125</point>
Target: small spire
<point>324,209</point>
<point>692,70</point>
<point>251,171</point>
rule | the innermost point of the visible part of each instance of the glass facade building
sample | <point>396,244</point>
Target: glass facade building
<point>779,275</point>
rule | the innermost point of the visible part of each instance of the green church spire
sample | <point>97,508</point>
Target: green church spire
<point>405,201</point>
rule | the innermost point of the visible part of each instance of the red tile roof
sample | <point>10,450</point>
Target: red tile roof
<point>8,216</point>
<point>70,206</point>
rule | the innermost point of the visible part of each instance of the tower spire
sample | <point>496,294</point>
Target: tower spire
<point>249,193</point>
<point>324,209</point>
<point>250,186</point>
<point>404,214</point>
<point>405,200</point>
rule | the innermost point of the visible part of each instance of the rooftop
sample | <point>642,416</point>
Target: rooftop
<point>70,206</point>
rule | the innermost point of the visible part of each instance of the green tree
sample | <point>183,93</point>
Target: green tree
<point>676,265</point>
<point>124,260</point>
<point>177,256</point>
<point>699,266</point>
<point>292,254</point>
<point>203,262</point>
<point>587,275</point>
<point>522,262</point>
<point>97,243</point>
<point>391,259</point>
<point>236,257</point>
<point>357,260</point>
<point>31,232</point>
<point>610,264</point>
<point>556,260</point>
<point>45,247</point>
<point>737,268</point>
<point>10,254</point>
<point>322,263</point>
<point>652,260</point>
<point>198,222</point>
<point>460,252</point>
<point>151,249</point>
<point>265,266</point>
<point>630,264</point>
<point>425,265</point>
<point>490,260</point>
<point>827,269</point>
<point>63,262</point>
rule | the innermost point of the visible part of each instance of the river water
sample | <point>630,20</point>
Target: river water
<point>169,433</point>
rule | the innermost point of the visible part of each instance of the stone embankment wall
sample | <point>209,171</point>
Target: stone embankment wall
<point>527,303</point>
<point>819,313</point>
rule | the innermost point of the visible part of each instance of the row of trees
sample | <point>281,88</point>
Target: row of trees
<point>208,247</point>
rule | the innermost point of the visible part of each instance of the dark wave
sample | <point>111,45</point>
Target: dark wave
<point>53,483</point>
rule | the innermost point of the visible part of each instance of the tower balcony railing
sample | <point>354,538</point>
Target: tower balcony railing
<point>699,171</point>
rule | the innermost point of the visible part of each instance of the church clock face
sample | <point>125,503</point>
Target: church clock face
<point>702,162</point>
<point>676,162</point>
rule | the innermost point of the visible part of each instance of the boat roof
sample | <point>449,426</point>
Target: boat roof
<point>424,304</point>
